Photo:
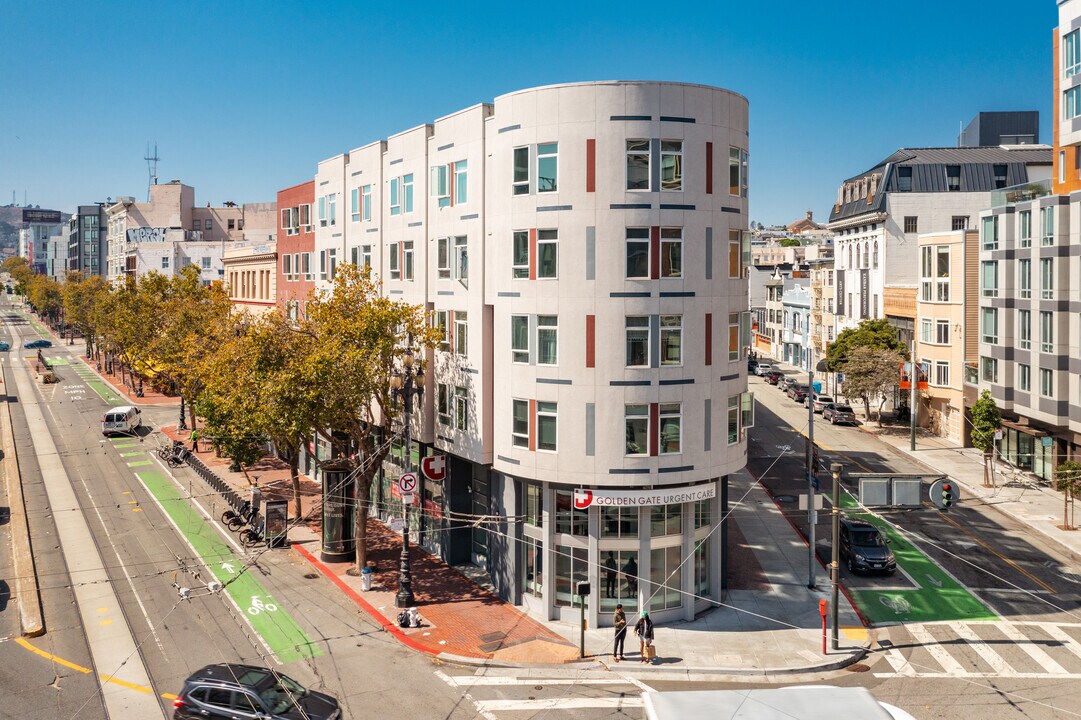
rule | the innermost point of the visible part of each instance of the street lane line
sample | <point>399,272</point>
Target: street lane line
<point>1026,644</point>
<point>939,653</point>
<point>561,703</point>
<point>1063,637</point>
<point>483,713</point>
<point>471,680</point>
<point>899,664</point>
<point>997,554</point>
<point>992,658</point>
<point>85,670</point>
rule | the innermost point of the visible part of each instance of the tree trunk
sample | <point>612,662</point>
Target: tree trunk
<point>1066,509</point>
<point>294,476</point>
<point>881,404</point>
<point>867,407</point>
<point>372,461</point>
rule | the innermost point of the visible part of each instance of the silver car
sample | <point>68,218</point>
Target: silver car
<point>820,401</point>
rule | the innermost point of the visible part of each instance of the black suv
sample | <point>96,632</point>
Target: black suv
<point>864,548</point>
<point>229,691</point>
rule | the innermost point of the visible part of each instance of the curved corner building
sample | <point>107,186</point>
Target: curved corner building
<point>582,245</point>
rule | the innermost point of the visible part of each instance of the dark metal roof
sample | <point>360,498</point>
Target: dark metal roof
<point>976,166</point>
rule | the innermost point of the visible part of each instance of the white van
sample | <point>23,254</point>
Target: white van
<point>121,420</point>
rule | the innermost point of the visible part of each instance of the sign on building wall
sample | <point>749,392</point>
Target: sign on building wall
<point>865,294</point>
<point>146,235</point>
<point>841,291</point>
<point>642,498</point>
<point>41,216</point>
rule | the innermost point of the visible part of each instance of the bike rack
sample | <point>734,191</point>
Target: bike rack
<point>210,477</point>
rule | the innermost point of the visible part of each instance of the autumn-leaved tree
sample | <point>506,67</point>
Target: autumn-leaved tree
<point>357,339</point>
<point>81,296</point>
<point>20,271</point>
<point>871,372</point>
<point>44,295</point>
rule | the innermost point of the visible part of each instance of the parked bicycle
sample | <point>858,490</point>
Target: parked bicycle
<point>236,520</point>
<point>253,536</point>
<point>173,454</point>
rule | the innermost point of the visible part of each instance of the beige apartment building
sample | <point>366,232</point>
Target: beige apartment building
<point>947,304</point>
<point>251,277</point>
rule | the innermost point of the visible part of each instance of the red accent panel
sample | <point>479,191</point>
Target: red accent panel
<point>532,253</point>
<point>709,168</point>
<point>655,252</point>
<point>654,428</point>
<point>709,338</point>
<point>591,165</point>
<point>591,341</point>
<point>532,425</point>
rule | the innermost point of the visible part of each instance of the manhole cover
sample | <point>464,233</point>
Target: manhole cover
<point>858,667</point>
<point>785,498</point>
<point>311,576</point>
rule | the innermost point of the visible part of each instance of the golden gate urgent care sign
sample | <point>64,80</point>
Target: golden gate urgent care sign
<point>642,498</point>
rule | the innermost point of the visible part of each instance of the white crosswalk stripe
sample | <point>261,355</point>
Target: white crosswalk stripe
<point>501,694</point>
<point>1050,649</point>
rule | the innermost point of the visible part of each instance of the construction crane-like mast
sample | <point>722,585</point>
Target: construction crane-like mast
<point>152,168</point>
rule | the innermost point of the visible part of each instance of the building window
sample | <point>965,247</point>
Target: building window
<point>1062,166</point>
<point>520,182</point>
<point>520,255</point>
<point>733,337</point>
<point>532,566</point>
<point>733,419</point>
<point>442,404</point>
<point>395,196</point>
<point>1071,53</point>
<point>231,224</point>
<point>925,330</point>
<point>366,202</point>
<point>204,262</point>
<point>989,369</point>
<point>638,164</point>
<point>701,568</point>
<point>927,273</point>
<point>638,341</point>
<point>1071,103</point>
<point>638,253</point>
<point>904,179</point>
<point>636,429</point>
<point>619,522</point>
<point>989,325</point>
<point>671,252</point>
<point>1024,278</point>
<point>519,338</point>
<point>461,182</point>
<point>666,576</point>
<point>1025,228</point>
<point>737,171</point>
<point>442,258</point>
<point>407,260</point>
<point>165,261</point>
<point>1047,332</point>
<point>1000,176</point>
<point>942,373</point>
<point>735,261</point>
<point>912,223</point>
<point>534,508</point>
<point>989,233</point>
<point>665,520</point>
<point>520,423</point>
<point>547,167</point>
<point>461,333</point>
<point>671,339</point>
<point>354,204</point>
<point>547,424</point>
<point>874,256</point>
<point>440,184</point>
<point>444,336</point>
<point>959,222</point>
<point>1047,278</point>
<point>1024,378</point>
<point>572,567</point>
<point>1047,226</point>
<point>953,178</point>
<point>670,430</point>
<point>989,278</point>
<point>547,254</point>
<point>1047,387</point>
<point>672,165</point>
<point>461,408</point>
<point>547,340</point>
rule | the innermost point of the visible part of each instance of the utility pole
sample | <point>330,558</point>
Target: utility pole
<point>811,512</point>
<point>913,378</point>
<point>835,552</point>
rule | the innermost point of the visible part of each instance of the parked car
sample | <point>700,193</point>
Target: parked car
<point>774,376</point>
<point>230,690</point>
<point>798,393</point>
<point>123,420</point>
<point>5,346</point>
<point>820,401</point>
<point>752,365</point>
<point>864,548</point>
<point>837,413</point>
<point>762,369</point>
<point>786,381</point>
<point>37,344</point>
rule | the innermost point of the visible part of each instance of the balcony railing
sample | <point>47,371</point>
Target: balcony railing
<point>1020,193</point>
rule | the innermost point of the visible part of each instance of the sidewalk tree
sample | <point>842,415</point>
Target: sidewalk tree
<point>81,296</point>
<point>986,420</point>
<point>871,372</point>
<point>1068,482</point>
<point>875,334</point>
<point>357,339</point>
<point>20,271</point>
<point>44,295</point>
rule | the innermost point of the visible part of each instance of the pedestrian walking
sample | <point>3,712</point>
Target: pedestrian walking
<point>644,630</point>
<point>620,624</point>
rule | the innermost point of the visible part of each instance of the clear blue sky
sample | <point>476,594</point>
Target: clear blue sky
<point>244,98</point>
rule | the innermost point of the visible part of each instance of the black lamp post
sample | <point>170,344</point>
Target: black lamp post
<point>405,384</point>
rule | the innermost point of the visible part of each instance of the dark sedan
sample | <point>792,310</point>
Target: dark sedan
<point>797,392</point>
<point>837,413</point>
<point>231,690</point>
<point>774,376</point>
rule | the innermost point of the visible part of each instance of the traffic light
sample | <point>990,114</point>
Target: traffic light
<point>944,493</point>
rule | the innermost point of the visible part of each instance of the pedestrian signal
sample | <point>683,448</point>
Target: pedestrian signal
<point>944,493</point>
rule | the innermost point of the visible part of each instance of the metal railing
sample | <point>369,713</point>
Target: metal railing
<point>1020,193</point>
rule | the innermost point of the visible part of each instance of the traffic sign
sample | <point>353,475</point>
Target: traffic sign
<point>434,467</point>
<point>407,482</point>
<point>407,498</point>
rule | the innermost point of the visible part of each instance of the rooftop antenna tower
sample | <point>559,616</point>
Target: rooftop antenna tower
<point>152,168</point>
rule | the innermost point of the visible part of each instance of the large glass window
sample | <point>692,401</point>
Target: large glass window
<point>1047,278</point>
<point>1071,53</point>
<point>666,576</point>
<point>989,233</point>
<point>395,196</point>
<point>942,273</point>
<point>519,338</point>
<point>520,183</point>
<point>1047,385</point>
<point>619,575</point>
<point>568,519</point>
<point>671,165</point>
<point>1024,278</point>
<point>572,567</point>
<point>703,513</point>
<point>547,251</point>
<point>1024,329</point>
<point>547,426</point>
<point>533,505</point>
<point>520,255</point>
<point>671,252</point>
<point>1047,332</point>
<point>532,566</point>
<point>547,340</point>
<point>927,273</point>
<point>461,333</point>
<point>1071,103</point>
<point>638,341</point>
<point>701,568</point>
<point>1025,228</point>
<point>989,369</point>
<point>461,182</point>
<point>665,520</point>
<point>671,339</point>
<point>989,278</point>
<point>638,253</point>
<point>989,325</point>
<point>638,164</point>
<point>942,332</point>
<point>619,522</point>
<point>407,192</point>
<point>636,422</point>
<point>1047,226</point>
<point>670,429</point>
<point>520,423</point>
<point>547,167</point>
<point>354,204</point>
<point>1024,378</point>
<point>366,202</point>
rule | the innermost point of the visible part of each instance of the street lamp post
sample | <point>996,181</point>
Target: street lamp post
<point>835,559</point>
<point>405,384</point>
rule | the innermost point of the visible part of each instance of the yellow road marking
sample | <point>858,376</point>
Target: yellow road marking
<point>855,633</point>
<point>991,550</point>
<point>136,509</point>
<point>106,622</point>
<point>87,671</point>
<point>103,609</point>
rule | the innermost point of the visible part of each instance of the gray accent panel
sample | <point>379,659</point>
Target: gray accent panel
<point>678,468</point>
<point>673,118</point>
<point>474,216</point>
<point>724,378</point>
<point>591,253</point>
<point>707,424</point>
<point>730,210</point>
<point>553,208</point>
<point>448,146</point>
<point>509,294</point>
<point>445,292</point>
<point>591,430</point>
<point>416,224</point>
<point>1059,408</point>
<point>553,381</point>
<point>630,206</point>
<point>654,341</point>
<point>505,459</point>
<point>628,471</point>
<point>508,128</point>
<point>682,381</point>
<point>709,253</point>
<point>629,294</point>
<point>444,438</point>
<point>395,162</point>
<point>677,293</point>
<point>629,383</point>
<point>396,292</point>
<point>372,230</point>
<point>655,164</point>
<point>354,174</point>
<point>631,117</point>
<point>674,206</point>
<point>471,370</point>
<point>325,182</point>
<point>337,234</point>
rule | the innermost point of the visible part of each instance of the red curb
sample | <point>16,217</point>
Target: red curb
<point>364,604</point>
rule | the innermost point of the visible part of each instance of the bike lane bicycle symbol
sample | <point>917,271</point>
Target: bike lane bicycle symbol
<point>898,604</point>
<point>257,606</point>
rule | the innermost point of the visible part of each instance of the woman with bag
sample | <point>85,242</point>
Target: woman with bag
<point>644,630</point>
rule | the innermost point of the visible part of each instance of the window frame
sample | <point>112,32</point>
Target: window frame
<point>548,412</point>
<point>1047,331</point>
<point>673,330</point>
<point>519,355</point>
<point>1047,278</point>
<point>548,237</point>
<point>989,325</point>
<point>640,238</point>
<point>678,164</point>
<point>1024,229</point>
<point>637,152</point>
<point>519,439</point>
<point>548,155</point>
<point>634,414</point>
<point>519,271</point>
<point>520,186</point>
<point>365,203</point>
<point>637,330</point>
<point>1024,278</point>
<point>1047,226</point>
<point>671,239</point>
<point>669,411</point>
<point>550,326</point>
<point>461,333</point>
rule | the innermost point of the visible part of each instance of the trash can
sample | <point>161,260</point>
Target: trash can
<point>366,579</point>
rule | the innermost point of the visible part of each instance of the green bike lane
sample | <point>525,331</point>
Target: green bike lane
<point>94,382</point>
<point>933,595</point>
<point>278,630</point>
